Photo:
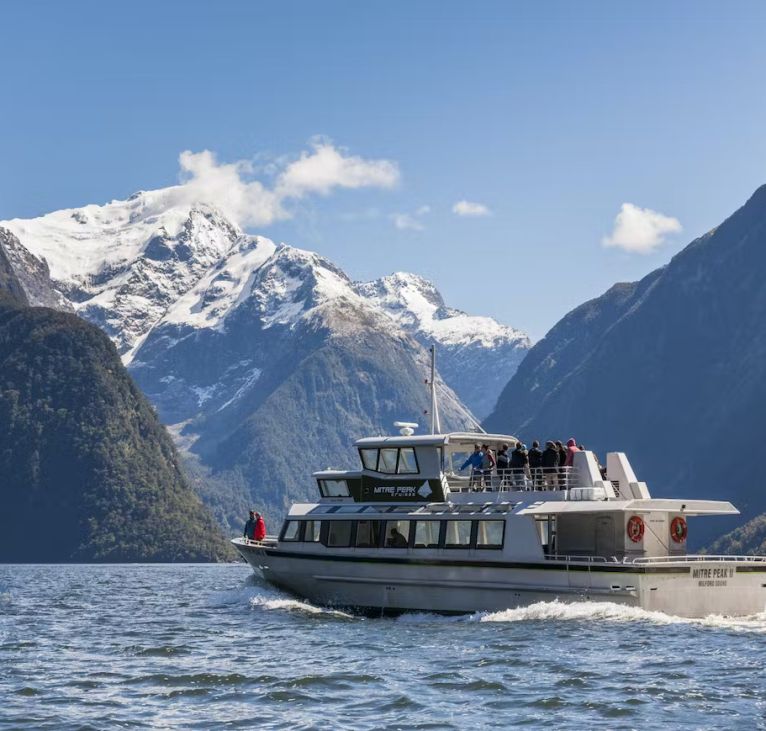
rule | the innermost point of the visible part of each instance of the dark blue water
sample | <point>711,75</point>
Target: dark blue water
<point>187,647</point>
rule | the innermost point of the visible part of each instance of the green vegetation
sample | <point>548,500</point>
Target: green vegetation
<point>87,472</point>
<point>747,540</point>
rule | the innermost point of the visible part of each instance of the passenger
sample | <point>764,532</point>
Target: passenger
<point>397,539</point>
<point>250,526</point>
<point>476,459</point>
<point>487,465</point>
<point>259,533</point>
<point>571,449</point>
<point>562,460</point>
<point>535,465</point>
<point>503,462</point>
<point>550,463</point>
<point>519,463</point>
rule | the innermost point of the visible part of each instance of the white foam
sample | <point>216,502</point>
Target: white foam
<point>293,605</point>
<point>610,612</point>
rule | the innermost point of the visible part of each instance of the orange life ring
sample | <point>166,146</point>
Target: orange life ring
<point>635,528</point>
<point>678,529</point>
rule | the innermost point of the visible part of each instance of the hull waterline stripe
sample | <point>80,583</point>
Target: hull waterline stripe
<point>546,566</point>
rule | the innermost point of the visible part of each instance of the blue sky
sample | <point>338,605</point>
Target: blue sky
<point>551,115</point>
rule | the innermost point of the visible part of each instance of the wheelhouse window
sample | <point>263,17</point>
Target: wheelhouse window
<point>339,533</point>
<point>369,458</point>
<point>387,461</point>
<point>333,488</point>
<point>368,533</point>
<point>397,534</point>
<point>291,531</point>
<point>408,463</point>
<point>311,531</point>
<point>458,534</point>
<point>427,533</point>
<point>490,534</point>
<point>391,460</point>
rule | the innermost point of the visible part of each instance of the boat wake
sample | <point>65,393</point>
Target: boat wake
<point>296,606</point>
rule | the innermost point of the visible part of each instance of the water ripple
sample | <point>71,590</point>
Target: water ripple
<point>202,647</point>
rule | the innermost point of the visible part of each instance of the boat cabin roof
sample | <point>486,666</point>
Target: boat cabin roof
<point>435,440</point>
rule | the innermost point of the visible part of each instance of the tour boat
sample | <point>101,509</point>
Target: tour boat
<point>409,531</point>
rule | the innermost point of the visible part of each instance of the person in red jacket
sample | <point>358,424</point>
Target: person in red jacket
<point>571,449</point>
<point>260,528</point>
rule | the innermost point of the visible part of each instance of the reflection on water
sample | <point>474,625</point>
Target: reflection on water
<point>211,646</point>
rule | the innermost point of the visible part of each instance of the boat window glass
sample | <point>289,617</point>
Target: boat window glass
<point>349,509</point>
<point>333,488</point>
<point>427,533</point>
<point>387,461</point>
<point>469,508</point>
<point>368,533</point>
<point>402,509</point>
<point>501,508</point>
<point>369,458</point>
<point>397,533</point>
<point>408,463</point>
<point>490,534</point>
<point>339,534</point>
<point>291,531</point>
<point>458,534</point>
<point>456,460</point>
<point>311,531</point>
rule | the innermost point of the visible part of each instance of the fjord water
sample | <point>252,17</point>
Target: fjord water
<point>209,646</point>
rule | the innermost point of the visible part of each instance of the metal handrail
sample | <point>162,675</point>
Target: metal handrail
<point>513,479</point>
<point>696,557</point>
<point>576,559</point>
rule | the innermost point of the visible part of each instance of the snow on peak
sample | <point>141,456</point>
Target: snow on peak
<point>415,304</point>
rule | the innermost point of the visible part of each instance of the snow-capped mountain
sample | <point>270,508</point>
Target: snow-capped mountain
<point>267,360</point>
<point>476,353</point>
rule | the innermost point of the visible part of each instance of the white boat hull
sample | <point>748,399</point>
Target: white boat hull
<point>398,583</point>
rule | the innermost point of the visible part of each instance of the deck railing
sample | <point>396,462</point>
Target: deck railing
<point>513,479</point>
<point>696,557</point>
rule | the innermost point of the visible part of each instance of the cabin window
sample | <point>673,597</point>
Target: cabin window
<point>291,531</point>
<point>369,458</point>
<point>397,533</point>
<point>387,461</point>
<point>339,534</point>
<point>490,534</point>
<point>311,531</point>
<point>427,533</point>
<point>408,463</point>
<point>333,488</point>
<point>458,534</point>
<point>368,533</point>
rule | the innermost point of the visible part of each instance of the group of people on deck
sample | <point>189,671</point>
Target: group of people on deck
<point>521,468</point>
<point>255,528</point>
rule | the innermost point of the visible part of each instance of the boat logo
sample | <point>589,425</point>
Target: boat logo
<point>424,490</point>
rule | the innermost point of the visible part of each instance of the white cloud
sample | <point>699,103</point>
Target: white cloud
<point>640,230</point>
<point>468,208</point>
<point>233,188</point>
<point>410,221</point>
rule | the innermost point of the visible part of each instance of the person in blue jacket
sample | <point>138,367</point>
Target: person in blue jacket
<point>250,526</point>
<point>476,459</point>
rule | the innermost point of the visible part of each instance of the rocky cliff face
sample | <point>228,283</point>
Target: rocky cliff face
<point>268,361</point>
<point>672,367</point>
<point>88,472</point>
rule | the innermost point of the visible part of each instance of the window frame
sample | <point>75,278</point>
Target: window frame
<point>283,533</point>
<point>399,461</point>
<point>306,532</point>
<point>323,487</point>
<point>326,533</point>
<point>460,546</point>
<point>490,547</point>
<point>408,536</point>
<point>439,536</point>
<point>377,457</point>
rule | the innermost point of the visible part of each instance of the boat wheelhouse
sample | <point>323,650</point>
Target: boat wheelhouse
<point>410,530</point>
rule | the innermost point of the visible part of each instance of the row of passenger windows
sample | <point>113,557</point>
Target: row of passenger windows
<point>397,533</point>
<point>390,461</point>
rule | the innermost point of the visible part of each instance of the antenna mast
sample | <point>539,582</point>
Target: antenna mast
<point>435,425</point>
